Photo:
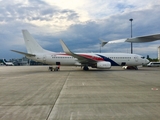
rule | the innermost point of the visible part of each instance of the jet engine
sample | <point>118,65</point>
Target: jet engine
<point>103,65</point>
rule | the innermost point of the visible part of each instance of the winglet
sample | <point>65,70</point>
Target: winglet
<point>103,42</point>
<point>65,48</point>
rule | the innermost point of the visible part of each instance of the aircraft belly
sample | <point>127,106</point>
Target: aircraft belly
<point>66,62</point>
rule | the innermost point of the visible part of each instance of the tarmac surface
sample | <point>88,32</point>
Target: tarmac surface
<point>34,93</point>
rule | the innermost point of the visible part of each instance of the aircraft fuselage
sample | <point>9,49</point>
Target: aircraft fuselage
<point>116,59</point>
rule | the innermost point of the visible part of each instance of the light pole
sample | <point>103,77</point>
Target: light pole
<point>100,47</point>
<point>131,35</point>
<point>102,43</point>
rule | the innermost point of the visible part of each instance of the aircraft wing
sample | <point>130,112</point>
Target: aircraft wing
<point>141,39</point>
<point>83,59</point>
<point>26,54</point>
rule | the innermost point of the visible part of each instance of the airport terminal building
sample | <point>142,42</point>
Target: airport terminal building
<point>159,53</point>
<point>22,62</point>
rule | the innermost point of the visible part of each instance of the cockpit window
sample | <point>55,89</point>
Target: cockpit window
<point>142,57</point>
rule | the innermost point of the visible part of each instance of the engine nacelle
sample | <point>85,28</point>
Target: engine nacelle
<point>103,65</point>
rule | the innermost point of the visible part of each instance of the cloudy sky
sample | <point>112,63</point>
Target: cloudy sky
<point>80,23</point>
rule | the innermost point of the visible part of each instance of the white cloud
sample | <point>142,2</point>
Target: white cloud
<point>76,5</point>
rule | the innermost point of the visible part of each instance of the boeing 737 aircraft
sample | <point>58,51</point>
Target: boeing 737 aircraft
<point>86,60</point>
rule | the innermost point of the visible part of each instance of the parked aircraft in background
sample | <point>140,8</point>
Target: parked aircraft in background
<point>85,60</point>
<point>5,62</point>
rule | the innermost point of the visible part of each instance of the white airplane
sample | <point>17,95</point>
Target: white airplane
<point>7,63</point>
<point>85,60</point>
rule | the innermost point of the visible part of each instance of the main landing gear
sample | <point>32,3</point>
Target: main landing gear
<point>130,67</point>
<point>85,68</point>
<point>53,68</point>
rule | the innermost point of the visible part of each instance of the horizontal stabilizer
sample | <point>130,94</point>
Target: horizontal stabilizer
<point>23,53</point>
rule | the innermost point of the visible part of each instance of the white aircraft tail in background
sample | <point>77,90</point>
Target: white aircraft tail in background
<point>5,62</point>
<point>85,60</point>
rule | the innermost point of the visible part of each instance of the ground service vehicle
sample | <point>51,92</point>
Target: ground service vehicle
<point>153,64</point>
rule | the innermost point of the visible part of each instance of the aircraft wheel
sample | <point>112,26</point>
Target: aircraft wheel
<point>56,69</point>
<point>136,68</point>
<point>85,68</point>
<point>50,68</point>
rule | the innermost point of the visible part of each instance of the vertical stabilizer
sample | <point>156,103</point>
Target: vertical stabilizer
<point>31,45</point>
<point>4,61</point>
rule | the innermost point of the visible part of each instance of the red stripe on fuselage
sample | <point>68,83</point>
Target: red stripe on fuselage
<point>92,57</point>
